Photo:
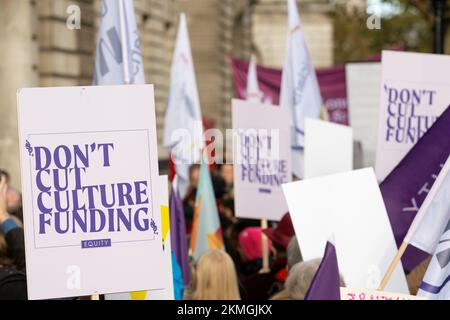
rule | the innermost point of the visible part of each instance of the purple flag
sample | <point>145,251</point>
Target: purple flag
<point>178,235</point>
<point>326,282</point>
<point>331,82</point>
<point>406,187</point>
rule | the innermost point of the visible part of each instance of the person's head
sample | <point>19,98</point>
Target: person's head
<point>300,277</point>
<point>194,174</point>
<point>294,254</point>
<point>13,200</point>
<point>226,172</point>
<point>4,175</point>
<point>281,235</point>
<point>215,277</point>
<point>250,241</point>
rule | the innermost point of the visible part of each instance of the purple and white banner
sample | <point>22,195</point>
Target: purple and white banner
<point>90,190</point>
<point>331,82</point>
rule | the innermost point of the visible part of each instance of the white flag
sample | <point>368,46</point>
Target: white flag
<point>253,93</point>
<point>119,59</point>
<point>430,232</point>
<point>299,87</point>
<point>435,284</point>
<point>434,213</point>
<point>183,129</point>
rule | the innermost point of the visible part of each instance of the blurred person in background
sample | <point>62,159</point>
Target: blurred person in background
<point>226,210</point>
<point>12,252</point>
<point>251,246</point>
<point>300,278</point>
<point>226,173</point>
<point>215,277</point>
<point>224,191</point>
<point>189,199</point>
<point>13,198</point>
<point>231,241</point>
<point>266,283</point>
<point>294,256</point>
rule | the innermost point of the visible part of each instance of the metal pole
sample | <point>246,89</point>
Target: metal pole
<point>440,10</point>
<point>124,41</point>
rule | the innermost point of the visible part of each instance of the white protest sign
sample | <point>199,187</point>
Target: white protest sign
<point>363,98</point>
<point>350,207</point>
<point>262,159</point>
<point>365,294</point>
<point>89,168</point>
<point>328,148</point>
<point>414,93</point>
<point>167,292</point>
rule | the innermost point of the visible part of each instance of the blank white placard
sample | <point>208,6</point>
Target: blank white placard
<point>350,207</point>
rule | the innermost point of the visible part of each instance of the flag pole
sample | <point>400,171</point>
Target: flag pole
<point>126,70</point>
<point>265,246</point>
<point>124,41</point>
<point>393,265</point>
<point>95,297</point>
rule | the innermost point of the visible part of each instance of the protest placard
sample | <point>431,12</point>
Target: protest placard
<point>89,169</point>
<point>328,148</point>
<point>363,90</point>
<point>262,159</point>
<point>365,294</point>
<point>414,93</point>
<point>350,207</point>
<point>167,292</point>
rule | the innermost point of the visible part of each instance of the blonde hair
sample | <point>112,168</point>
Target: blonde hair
<point>215,277</point>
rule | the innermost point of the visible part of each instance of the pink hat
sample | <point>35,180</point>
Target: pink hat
<point>251,242</point>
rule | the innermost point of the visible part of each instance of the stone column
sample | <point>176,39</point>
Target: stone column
<point>18,69</point>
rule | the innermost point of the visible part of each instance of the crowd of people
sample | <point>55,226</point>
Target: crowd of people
<point>238,271</point>
<point>235,273</point>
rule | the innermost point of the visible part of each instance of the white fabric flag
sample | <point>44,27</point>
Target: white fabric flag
<point>183,129</point>
<point>299,87</point>
<point>434,213</point>
<point>253,92</point>
<point>118,60</point>
<point>435,284</point>
<point>430,232</point>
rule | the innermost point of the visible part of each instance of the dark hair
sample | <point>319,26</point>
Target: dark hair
<point>5,174</point>
<point>4,260</point>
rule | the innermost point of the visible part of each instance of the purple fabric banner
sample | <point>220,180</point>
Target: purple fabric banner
<point>326,283</point>
<point>406,187</point>
<point>331,81</point>
<point>178,235</point>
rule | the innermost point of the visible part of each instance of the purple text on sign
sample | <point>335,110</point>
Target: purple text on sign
<point>88,244</point>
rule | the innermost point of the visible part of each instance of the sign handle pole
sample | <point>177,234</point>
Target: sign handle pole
<point>95,297</point>
<point>265,246</point>
<point>124,42</point>
<point>392,266</point>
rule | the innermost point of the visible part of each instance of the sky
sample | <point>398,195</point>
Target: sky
<point>381,9</point>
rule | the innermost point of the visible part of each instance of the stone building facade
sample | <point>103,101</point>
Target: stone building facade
<point>37,49</point>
